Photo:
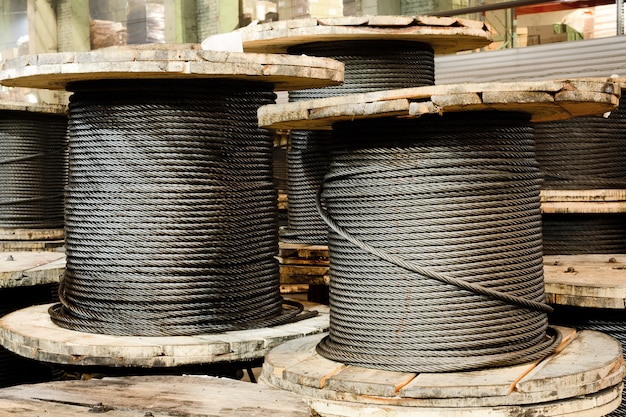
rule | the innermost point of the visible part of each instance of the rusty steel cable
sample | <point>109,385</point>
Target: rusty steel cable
<point>435,244</point>
<point>370,65</point>
<point>33,169</point>
<point>171,214</point>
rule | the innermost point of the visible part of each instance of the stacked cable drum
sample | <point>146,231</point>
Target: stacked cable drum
<point>435,249</point>
<point>33,174</point>
<point>171,217</point>
<point>370,65</point>
<point>584,158</point>
<point>585,153</point>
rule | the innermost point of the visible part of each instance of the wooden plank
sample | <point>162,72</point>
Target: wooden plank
<point>537,98</point>
<point>583,196</point>
<point>18,269</point>
<point>31,234</point>
<point>303,251</point>
<point>184,396</point>
<point>591,207</point>
<point>296,274</point>
<point>363,381</point>
<point>586,280</point>
<point>294,288</point>
<point>31,245</point>
<point>445,35</point>
<point>10,105</point>
<point>30,333</point>
<point>56,70</point>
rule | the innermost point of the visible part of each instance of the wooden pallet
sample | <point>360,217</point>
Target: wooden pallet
<point>583,378</point>
<point>302,265</point>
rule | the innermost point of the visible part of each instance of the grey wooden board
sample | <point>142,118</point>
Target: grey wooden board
<point>32,245</point>
<point>32,107</point>
<point>597,281</point>
<point>55,70</point>
<point>20,269</point>
<point>30,333</point>
<point>543,100</point>
<point>182,396</point>
<point>586,363</point>
<point>444,34</point>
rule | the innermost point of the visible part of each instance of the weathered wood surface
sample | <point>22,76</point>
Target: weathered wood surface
<point>31,245</point>
<point>30,333</point>
<point>21,269</point>
<point>444,34</point>
<point>55,70</point>
<point>594,405</point>
<point>303,251</point>
<point>597,281</point>
<point>583,201</point>
<point>20,106</point>
<point>31,234</point>
<point>303,274</point>
<point>155,396</point>
<point>543,100</point>
<point>587,363</point>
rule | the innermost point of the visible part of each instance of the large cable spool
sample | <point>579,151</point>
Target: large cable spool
<point>33,171</point>
<point>435,248</point>
<point>171,216</point>
<point>585,153</point>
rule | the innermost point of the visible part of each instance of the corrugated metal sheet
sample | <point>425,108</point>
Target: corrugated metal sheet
<point>585,58</point>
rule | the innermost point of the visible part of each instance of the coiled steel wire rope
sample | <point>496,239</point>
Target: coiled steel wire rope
<point>584,153</point>
<point>435,244</point>
<point>609,321</point>
<point>370,65</point>
<point>171,217</point>
<point>33,169</point>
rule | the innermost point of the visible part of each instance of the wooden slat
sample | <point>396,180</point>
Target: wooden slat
<point>56,70</point>
<point>542,100</point>
<point>583,201</point>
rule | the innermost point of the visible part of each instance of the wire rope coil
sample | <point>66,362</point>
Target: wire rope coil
<point>584,153</point>
<point>435,244</point>
<point>33,169</point>
<point>370,65</point>
<point>171,214</point>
